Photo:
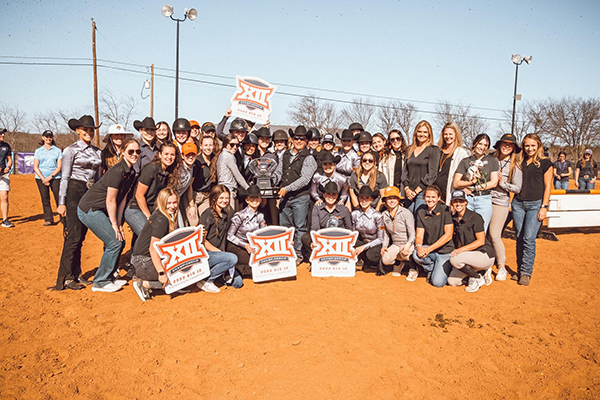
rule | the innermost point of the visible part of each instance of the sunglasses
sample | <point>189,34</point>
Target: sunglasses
<point>299,137</point>
<point>368,160</point>
<point>131,152</point>
<point>394,139</point>
<point>232,145</point>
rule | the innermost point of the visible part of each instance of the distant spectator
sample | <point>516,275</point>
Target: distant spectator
<point>6,163</point>
<point>562,170</point>
<point>586,171</point>
<point>47,162</point>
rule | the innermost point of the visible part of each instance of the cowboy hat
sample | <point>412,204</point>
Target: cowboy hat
<point>86,121</point>
<point>146,123</point>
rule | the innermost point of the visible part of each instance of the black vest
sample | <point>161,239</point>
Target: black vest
<point>291,172</point>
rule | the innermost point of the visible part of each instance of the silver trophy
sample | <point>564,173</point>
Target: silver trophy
<point>263,168</point>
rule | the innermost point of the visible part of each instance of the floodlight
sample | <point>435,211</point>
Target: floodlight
<point>192,14</point>
<point>167,11</point>
<point>527,59</point>
<point>516,59</point>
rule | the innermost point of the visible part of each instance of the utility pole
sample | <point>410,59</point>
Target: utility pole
<point>152,91</point>
<point>95,81</point>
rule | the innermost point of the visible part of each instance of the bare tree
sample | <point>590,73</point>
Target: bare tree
<point>530,118</point>
<point>470,124</point>
<point>52,120</point>
<point>397,115</point>
<point>116,110</point>
<point>361,111</point>
<point>13,120</point>
<point>313,113</point>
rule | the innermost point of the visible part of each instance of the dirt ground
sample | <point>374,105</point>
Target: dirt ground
<point>362,337</point>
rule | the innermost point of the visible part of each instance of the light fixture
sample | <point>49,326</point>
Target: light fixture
<point>191,14</point>
<point>146,84</point>
<point>516,59</point>
<point>167,11</point>
<point>528,59</point>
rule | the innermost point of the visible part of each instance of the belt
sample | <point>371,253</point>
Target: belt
<point>482,193</point>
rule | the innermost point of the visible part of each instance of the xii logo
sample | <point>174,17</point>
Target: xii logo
<point>178,252</point>
<point>257,96</point>
<point>279,245</point>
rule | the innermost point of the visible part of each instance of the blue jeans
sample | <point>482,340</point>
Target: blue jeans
<point>136,219</point>
<point>526,223</point>
<point>482,205</point>
<point>99,223</point>
<point>293,214</point>
<point>438,264</point>
<point>415,204</point>
<point>558,184</point>
<point>221,261</point>
<point>586,184</point>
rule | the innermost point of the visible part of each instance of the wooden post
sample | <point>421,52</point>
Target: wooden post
<point>152,91</point>
<point>95,81</point>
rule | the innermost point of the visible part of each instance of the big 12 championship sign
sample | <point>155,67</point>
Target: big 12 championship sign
<point>252,99</point>
<point>274,256</point>
<point>332,252</point>
<point>183,257</point>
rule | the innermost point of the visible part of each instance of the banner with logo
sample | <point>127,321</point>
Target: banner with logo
<point>332,252</point>
<point>252,99</point>
<point>25,163</point>
<point>183,257</point>
<point>274,256</point>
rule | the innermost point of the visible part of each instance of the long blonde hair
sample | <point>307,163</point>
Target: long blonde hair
<point>161,205</point>
<point>429,141</point>
<point>458,141</point>
<point>372,174</point>
<point>513,162</point>
<point>539,153</point>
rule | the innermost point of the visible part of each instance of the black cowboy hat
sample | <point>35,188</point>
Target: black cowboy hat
<point>509,138</point>
<point>366,191</point>
<point>146,123</point>
<point>250,139</point>
<point>280,134</point>
<point>346,135</point>
<point>327,157</point>
<point>263,132</point>
<point>3,130</point>
<point>355,126</point>
<point>365,136</point>
<point>299,131</point>
<point>86,121</point>
<point>314,134</point>
<point>329,187</point>
<point>180,124</point>
<point>252,191</point>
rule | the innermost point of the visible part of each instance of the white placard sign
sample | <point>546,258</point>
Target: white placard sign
<point>332,252</point>
<point>252,99</point>
<point>183,257</point>
<point>274,256</point>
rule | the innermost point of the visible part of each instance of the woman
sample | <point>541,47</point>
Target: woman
<point>329,174</point>
<point>163,171</point>
<point>379,144</point>
<point>399,239</point>
<point>184,190</point>
<point>562,171</point>
<point>101,210</point>
<point>367,174</point>
<point>280,142</point>
<point>202,173</point>
<point>242,222</point>
<point>149,271</point>
<point>586,171</point>
<point>392,159</point>
<point>421,166</point>
<point>81,167</point>
<point>433,242</point>
<point>472,252</point>
<point>249,145</point>
<point>216,221</point>
<point>368,223</point>
<point>452,153</point>
<point>365,140</point>
<point>227,171</point>
<point>477,175</point>
<point>264,141</point>
<point>111,154</point>
<point>510,180</point>
<point>181,131</point>
<point>163,134</point>
<point>47,162</point>
<point>529,207</point>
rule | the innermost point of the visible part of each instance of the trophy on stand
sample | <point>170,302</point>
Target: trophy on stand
<point>263,168</point>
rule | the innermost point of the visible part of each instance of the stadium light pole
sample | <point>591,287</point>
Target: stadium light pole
<point>517,60</point>
<point>190,14</point>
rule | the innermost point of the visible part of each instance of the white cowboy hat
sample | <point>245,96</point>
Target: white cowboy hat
<point>117,129</point>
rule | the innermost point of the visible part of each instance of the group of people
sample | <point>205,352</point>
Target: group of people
<point>437,208</point>
<point>586,170</point>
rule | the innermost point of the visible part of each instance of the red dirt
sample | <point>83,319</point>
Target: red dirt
<point>363,337</point>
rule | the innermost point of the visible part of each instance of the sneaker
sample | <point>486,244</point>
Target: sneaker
<point>488,276</point>
<point>208,286</point>
<point>524,280</point>
<point>475,284</point>
<point>111,287</point>
<point>120,282</point>
<point>141,291</point>
<point>515,277</point>
<point>501,275</point>
<point>48,223</point>
<point>412,275</point>
<point>7,224</point>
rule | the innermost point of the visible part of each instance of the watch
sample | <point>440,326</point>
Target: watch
<point>161,273</point>
<point>545,206</point>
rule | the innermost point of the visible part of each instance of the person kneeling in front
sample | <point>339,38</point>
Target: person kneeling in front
<point>473,252</point>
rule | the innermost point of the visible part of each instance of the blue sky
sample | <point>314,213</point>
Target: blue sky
<point>456,51</point>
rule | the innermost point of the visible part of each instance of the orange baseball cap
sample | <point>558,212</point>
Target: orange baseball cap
<point>188,148</point>
<point>391,191</point>
<point>194,123</point>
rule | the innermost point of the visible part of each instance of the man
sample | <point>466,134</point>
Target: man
<point>6,163</point>
<point>148,147</point>
<point>297,169</point>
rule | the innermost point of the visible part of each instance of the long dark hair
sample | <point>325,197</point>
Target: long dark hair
<point>213,165</point>
<point>215,192</point>
<point>172,169</point>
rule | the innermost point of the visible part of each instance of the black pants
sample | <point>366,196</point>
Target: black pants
<point>70,260</point>
<point>271,212</point>
<point>45,195</point>
<point>370,257</point>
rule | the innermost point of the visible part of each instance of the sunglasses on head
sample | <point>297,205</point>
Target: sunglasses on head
<point>131,152</point>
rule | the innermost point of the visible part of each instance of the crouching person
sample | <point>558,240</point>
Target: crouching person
<point>473,255</point>
<point>400,227</point>
<point>433,242</point>
<point>149,271</point>
<point>368,222</point>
